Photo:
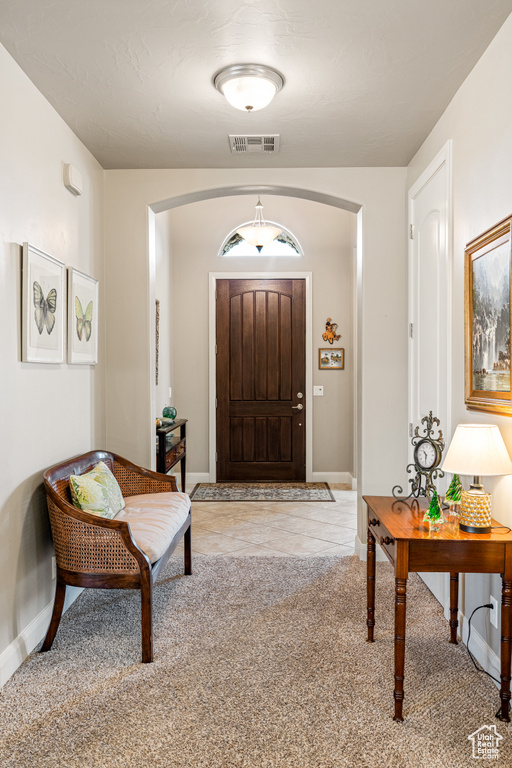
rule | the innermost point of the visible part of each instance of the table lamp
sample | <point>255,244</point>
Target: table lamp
<point>477,449</point>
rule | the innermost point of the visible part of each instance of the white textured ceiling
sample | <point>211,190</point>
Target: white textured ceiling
<point>365,80</point>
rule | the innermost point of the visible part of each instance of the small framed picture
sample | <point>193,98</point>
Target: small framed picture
<point>43,301</point>
<point>331,359</point>
<point>488,320</point>
<point>82,318</point>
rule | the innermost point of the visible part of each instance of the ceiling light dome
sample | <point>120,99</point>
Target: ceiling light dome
<point>248,87</point>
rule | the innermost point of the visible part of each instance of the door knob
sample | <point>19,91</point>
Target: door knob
<point>298,407</point>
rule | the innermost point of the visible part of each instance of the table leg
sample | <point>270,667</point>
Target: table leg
<point>183,474</point>
<point>454,606</point>
<point>400,606</point>
<point>370,584</point>
<point>506,645</point>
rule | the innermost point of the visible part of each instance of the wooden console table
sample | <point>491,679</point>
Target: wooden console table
<point>409,546</point>
<point>172,449</point>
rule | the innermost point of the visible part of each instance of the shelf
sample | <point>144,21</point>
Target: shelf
<point>171,449</point>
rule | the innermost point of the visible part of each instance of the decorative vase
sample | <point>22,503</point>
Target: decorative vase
<point>169,412</point>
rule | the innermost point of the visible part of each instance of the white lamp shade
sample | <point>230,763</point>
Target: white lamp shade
<point>249,93</point>
<point>259,235</point>
<point>477,449</point>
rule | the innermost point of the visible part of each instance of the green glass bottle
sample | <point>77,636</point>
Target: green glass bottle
<point>169,412</point>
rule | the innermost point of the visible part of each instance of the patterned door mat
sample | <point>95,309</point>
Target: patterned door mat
<point>262,492</point>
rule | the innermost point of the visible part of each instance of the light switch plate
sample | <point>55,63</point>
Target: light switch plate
<point>318,391</point>
<point>170,392</point>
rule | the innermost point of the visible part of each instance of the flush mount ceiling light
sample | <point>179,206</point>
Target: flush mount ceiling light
<point>259,233</point>
<point>248,86</point>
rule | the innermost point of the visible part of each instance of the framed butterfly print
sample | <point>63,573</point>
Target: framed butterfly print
<point>82,318</point>
<point>43,302</point>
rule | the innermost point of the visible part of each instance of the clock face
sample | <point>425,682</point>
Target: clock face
<point>425,455</point>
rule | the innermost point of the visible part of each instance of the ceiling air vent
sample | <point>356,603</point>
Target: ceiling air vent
<point>262,143</point>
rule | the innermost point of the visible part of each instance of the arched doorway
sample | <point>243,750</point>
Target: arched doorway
<point>334,203</point>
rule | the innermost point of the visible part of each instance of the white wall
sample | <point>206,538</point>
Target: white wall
<point>479,120</point>
<point>47,412</point>
<point>163,292</point>
<point>382,299</point>
<point>324,232</point>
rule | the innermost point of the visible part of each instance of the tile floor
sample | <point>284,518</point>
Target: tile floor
<point>276,528</point>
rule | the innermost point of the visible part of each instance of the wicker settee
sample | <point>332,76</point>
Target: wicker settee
<point>104,554</point>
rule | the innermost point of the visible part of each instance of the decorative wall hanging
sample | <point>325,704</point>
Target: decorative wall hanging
<point>82,318</point>
<point>331,359</point>
<point>428,452</point>
<point>330,332</point>
<point>157,337</point>
<point>487,305</point>
<point>44,296</point>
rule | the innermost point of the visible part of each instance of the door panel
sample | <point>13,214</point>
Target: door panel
<point>260,369</point>
<point>429,298</point>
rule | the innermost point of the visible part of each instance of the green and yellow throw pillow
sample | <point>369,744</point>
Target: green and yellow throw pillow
<point>97,492</point>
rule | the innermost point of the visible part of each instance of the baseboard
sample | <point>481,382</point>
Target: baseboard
<point>332,477</point>
<point>193,478</point>
<point>20,648</point>
<point>479,648</point>
<point>361,551</point>
<point>359,548</point>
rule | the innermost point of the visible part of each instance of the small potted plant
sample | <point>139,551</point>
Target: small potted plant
<point>433,515</point>
<point>453,498</point>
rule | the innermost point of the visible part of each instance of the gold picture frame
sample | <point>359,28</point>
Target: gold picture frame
<point>330,359</point>
<point>488,320</point>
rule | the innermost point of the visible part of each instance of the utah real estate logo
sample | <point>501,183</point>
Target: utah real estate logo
<point>486,743</point>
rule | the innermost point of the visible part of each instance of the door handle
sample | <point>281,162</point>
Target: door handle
<point>298,407</point>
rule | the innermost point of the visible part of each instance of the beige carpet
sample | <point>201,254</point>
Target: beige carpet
<point>260,663</point>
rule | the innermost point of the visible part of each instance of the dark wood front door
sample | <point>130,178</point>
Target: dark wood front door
<point>261,343</point>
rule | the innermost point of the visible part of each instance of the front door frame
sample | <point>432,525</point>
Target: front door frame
<point>212,279</point>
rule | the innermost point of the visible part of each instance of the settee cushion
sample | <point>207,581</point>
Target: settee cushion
<point>155,519</point>
<point>97,492</point>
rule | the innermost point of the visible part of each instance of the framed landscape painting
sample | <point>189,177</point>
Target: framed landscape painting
<point>331,359</point>
<point>82,318</point>
<point>43,302</point>
<point>488,317</point>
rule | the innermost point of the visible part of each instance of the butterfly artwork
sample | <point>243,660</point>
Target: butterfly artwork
<point>44,303</point>
<point>83,320</point>
<point>44,308</point>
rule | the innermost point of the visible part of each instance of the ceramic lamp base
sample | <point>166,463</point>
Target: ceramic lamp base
<point>475,512</point>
